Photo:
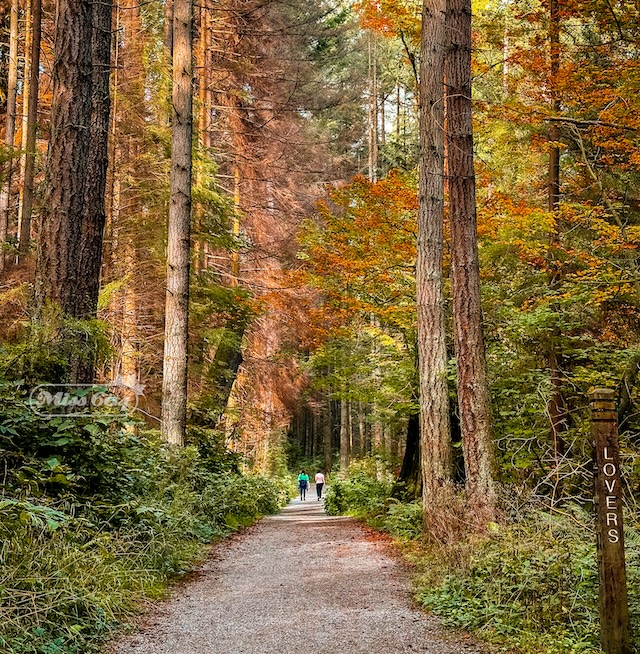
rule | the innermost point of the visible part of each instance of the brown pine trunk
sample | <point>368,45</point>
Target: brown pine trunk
<point>435,441</point>
<point>175,368</point>
<point>58,251</point>
<point>473,389</point>
<point>9,129</point>
<point>94,215</point>
<point>26,204</point>
<point>168,27</point>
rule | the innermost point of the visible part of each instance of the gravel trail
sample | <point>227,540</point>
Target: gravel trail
<point>300,581</point>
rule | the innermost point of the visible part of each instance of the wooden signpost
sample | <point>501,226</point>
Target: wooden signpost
<point>614,610</point>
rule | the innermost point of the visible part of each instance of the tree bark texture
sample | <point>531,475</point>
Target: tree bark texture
<point>174,382</point>
<point>26,205</point>
<point>432,354</point>
<point>94,210</point>
<point>168,26</point>
<point>94,215</point>
<point>473,389</point>
<point>58,253</point>
<point>9,128</point>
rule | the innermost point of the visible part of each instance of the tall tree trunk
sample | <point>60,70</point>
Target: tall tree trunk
<point>556,406</point>
<point>94,211</point>
<point>353,446</point>
<point>168,27</point>
<point>473,387</point>
<point>435,441</point>
<point>373,108</point>
<point>344,437</point>
<point>327,448</point>
<point>94,215</point>
<point>26,90</point>
<point>410,476</point>
<point>175,368</point>
<point>9,129</point>
<point>58,251</point>
<point>26,204</point>
<point>361,429</point>
<point>203,131</point>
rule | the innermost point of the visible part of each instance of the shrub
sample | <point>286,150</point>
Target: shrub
<point>533,583</point>
<point>359,495</point>
<point>404,520</point>
<point>98,513</point>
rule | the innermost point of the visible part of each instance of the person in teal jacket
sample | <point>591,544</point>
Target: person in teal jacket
<point>303,483</point>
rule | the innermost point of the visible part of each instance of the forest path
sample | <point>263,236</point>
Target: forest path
<point>300,581</point>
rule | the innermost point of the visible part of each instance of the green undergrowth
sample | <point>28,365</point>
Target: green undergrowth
<point>528,586</point>
<point>97,515</point>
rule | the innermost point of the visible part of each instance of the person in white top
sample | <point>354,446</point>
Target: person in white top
<point>319,484</point>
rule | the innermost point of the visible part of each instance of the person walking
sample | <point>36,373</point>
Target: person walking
<point>303,483</point>
<point>319,484</point>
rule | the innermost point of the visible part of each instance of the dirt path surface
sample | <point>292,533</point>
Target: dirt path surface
<point>298,582</point>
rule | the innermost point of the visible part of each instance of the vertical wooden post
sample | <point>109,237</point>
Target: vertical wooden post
<point>614,610</point>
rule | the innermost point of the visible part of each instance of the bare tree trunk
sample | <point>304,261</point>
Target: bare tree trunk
<point>9,129</point>
<point>435,440</point>
<point>203,132</point>
<point>377,436</point>
<point>473,387</point>
<point>557,402</point>
<point>94,212</point>
<point>58,251</point>
<point>175,368</point>
<point>353,445</point>
<point>410,471</point>
<point>326,440</point>
<point>361,429</point>
<point>26,204</point>
<point>373,108</point>
<point>344,437</point>
<point>383,131</point>
<point>168,27</point>
<point>26,90</point>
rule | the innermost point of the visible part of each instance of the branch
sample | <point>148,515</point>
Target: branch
<point>589,123</point>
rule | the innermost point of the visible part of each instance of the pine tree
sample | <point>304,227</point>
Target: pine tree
<point>435,440</point>
<point>174,384</point>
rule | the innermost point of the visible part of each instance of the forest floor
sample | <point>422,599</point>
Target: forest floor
<point>300,581</point>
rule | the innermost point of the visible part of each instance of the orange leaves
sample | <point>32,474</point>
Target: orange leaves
<point>361,252</point>
<point>390,17</point>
